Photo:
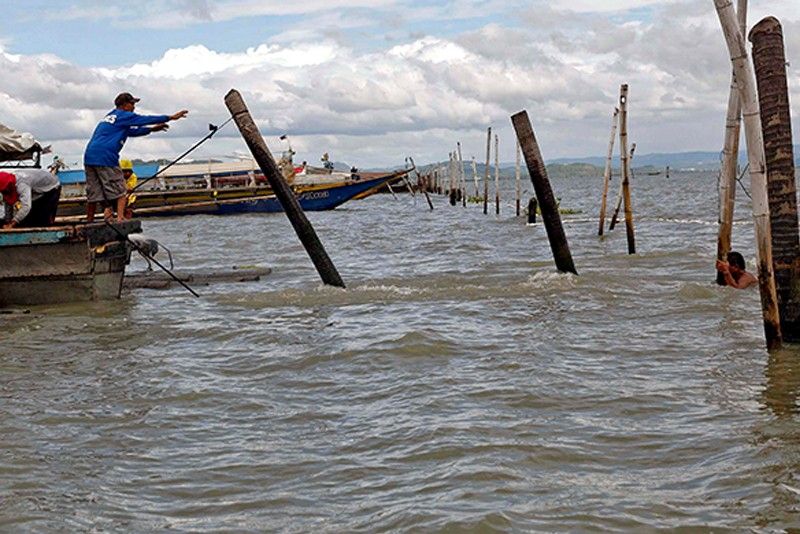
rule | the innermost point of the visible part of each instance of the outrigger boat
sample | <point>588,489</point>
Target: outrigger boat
<point>62,263</point>
<point>242,199</point>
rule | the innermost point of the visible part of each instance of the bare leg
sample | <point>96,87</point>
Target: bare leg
<point>91,208</point>
<point>121,203</point>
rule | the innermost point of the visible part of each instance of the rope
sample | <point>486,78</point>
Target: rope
<point>214,130</point>
<point>739,179</point>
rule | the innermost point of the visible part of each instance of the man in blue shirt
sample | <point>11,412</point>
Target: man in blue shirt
<point>105,182</point>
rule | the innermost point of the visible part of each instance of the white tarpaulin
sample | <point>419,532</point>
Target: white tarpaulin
<point>16,146</point>
<point>14,141</point>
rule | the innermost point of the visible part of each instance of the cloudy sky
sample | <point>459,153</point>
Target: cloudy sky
<point>372,81</point>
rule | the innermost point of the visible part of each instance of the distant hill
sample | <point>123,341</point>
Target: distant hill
<point>676,160</point>
<point>554,170</point>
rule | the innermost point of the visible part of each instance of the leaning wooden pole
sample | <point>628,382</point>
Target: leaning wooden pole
<point>730,159</point>
<point>258,147</point>
<point>544,192</point>
<point>486,174</point>
<point>517,177</point>
<point>758,175</point>
<point>769,59</point>
<point>496,174</point>
<point>626,167</point>
<point>607,173</point>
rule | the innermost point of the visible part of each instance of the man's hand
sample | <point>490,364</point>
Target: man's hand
<point>179,115</point>
<point>722,266</point>
<point>9,225</point>
<point>159,127</point>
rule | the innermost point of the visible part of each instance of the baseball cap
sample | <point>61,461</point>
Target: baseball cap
<point>8,187</point>
<point>125,98</point>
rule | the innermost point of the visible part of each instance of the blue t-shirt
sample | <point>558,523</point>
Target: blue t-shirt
<point>110,135</point>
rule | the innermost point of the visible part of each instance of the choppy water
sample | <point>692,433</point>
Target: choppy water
<point>458,384</point>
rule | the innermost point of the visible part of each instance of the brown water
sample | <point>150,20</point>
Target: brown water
<point>458,384</point>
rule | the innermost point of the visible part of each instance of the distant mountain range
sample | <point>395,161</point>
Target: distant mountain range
<point>701,161</point>
<point>594,165</point>
<point>554,170</point>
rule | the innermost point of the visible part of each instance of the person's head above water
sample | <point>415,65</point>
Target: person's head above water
<point>736,260</point>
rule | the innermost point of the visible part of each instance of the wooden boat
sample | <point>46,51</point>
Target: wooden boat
<point>233,200</point>
<point>67,263</point>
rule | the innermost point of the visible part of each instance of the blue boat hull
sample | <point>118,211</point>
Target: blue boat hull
<point>321,198</point>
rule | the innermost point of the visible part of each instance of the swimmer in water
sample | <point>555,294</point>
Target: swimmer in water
<point>734,271</point>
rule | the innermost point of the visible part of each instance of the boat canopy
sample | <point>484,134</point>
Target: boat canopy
<point>16,146</point>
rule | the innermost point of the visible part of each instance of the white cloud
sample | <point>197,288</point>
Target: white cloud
<point>180,13</point>
<point>419,96</point>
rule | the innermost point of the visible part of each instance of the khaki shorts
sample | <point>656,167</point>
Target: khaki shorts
<point>104,184</point>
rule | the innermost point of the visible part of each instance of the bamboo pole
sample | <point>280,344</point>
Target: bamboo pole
<point>463,183</point>
<point>408,184</point>
<point>486,174</point>
<point>308,237</point>
<point>730,159</point>
<point>517,177</point>
<point>758,179</point>
<point>618,204</point>
<point>496,175</point>
<point>769,59</point>
<point>626,167</point>
<point>607,173</point>
<point>425,188</point>
<point>475,177</point>
<point>391,190</point>
<point>544,192</point>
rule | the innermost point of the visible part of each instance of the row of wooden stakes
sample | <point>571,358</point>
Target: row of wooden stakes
<point>770,156</point>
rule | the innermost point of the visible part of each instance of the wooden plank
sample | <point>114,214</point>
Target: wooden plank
<point>159,280</point>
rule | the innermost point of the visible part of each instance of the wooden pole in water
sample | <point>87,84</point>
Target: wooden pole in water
<point>496,174</point>
<point>255,142</point>
<point>486,174</point>
<point>533,205</point>
<point>730,159</point>
<point>463,183</point>
<point>475,178</point>
<point>517,177</point>
<point>769,59</point>
<point>758,178</point>
<point>618,205</point>
<point>607,173</point>
<point>453,179</point>
<point>544,192</point>
<point>626,167</point>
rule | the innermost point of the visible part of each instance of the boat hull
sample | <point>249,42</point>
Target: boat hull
<point>231,201</point>
<point>66,264</point>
